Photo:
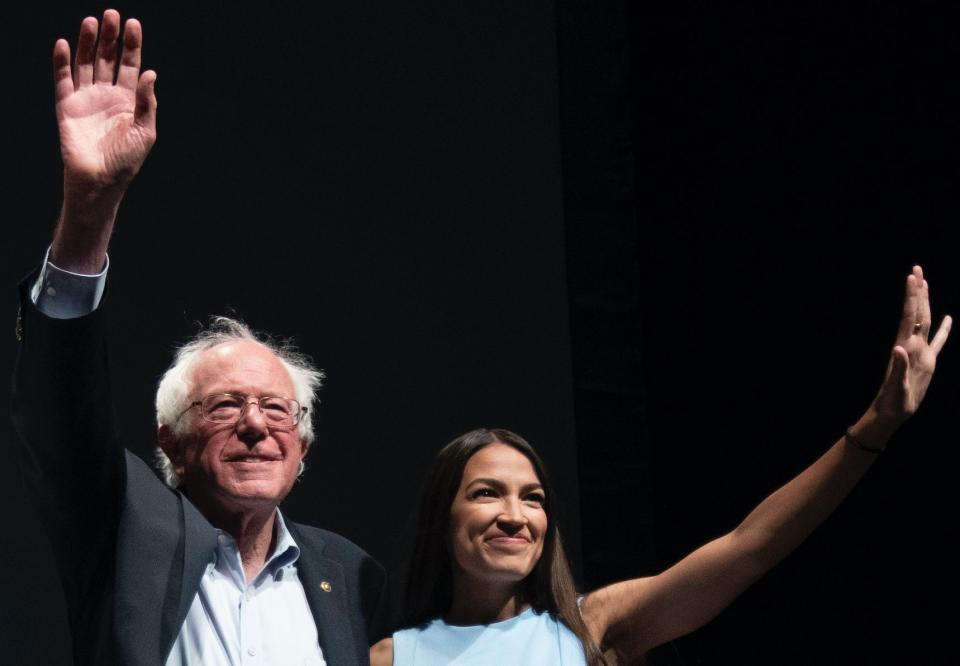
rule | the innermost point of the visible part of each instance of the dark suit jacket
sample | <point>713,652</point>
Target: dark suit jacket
<point>130,552</point>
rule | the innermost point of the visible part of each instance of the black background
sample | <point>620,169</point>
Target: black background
<point>666,243</point>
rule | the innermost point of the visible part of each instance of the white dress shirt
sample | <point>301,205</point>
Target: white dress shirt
<point>266,621</point>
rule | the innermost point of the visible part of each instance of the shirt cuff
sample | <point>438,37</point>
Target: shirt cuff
<point>61,294</point>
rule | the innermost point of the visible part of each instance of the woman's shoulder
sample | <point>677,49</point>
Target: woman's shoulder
<point>381,653</point>
<point>398,648</point>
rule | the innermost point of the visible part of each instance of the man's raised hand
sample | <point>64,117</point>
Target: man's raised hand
<point>106,114</point>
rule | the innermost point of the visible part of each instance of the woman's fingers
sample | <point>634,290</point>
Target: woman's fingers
<point>921,318</point>
<point>899,363</point>
<point>926,319</point>
<point>908,318</point>
<point>940,338</point>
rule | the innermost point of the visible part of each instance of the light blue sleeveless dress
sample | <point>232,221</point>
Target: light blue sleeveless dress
<point>529,639</point>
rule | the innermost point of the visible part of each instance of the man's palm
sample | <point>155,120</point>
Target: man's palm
<point>98,136</point>
<point>106,110</point>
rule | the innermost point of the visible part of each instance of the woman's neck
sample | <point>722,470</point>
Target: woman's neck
<point>483,602</point>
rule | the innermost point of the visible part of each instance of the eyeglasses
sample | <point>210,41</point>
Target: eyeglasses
<point>230,407</point>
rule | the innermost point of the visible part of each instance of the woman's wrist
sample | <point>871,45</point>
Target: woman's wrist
<point>871,432</point>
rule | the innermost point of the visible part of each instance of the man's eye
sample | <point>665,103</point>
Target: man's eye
<point>223,403</point>
<point>277,405</point>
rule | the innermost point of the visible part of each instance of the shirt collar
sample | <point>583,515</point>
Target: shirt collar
<point>285,552</point>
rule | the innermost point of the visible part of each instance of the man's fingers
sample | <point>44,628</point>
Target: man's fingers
<point>107,47</point>
<point>129,72</point>
<point>941,336</point>
<point>62,74</point>
<point>145,112</point>
<point>86,51</point>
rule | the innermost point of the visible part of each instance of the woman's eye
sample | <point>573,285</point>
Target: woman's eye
<point>483,492</point>
<point>536,498</point>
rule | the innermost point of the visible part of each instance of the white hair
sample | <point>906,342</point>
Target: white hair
<point>173,391</point>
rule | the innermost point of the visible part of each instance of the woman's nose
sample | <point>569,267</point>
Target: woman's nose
<point>513,513</point>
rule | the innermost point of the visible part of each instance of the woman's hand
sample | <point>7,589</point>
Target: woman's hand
<point>913,358</point>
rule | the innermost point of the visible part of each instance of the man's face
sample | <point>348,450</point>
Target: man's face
<point>243,465</point>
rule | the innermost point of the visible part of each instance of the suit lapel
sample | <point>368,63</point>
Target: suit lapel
<point>199,545</point>
<point>163,545</point>
<point>326,592</point>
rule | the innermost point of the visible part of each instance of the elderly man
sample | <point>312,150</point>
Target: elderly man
<point>206,571</point>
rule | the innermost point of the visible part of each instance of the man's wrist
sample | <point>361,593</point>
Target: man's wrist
<point>64,294</point>
<point>89,191</point>
<point>83,232</point>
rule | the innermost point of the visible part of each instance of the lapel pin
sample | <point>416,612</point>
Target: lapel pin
<point>325,586</point>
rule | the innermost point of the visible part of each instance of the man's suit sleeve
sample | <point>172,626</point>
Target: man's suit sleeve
<point>71,459</point>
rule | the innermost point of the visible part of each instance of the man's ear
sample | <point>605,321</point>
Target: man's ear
<point>171,446</point>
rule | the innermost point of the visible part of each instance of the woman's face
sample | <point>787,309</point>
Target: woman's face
<point>497,519</point>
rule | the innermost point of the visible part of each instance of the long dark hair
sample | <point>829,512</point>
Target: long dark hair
<point>429,593</point>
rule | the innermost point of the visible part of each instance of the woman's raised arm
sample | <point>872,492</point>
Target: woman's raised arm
<point>634,616</point>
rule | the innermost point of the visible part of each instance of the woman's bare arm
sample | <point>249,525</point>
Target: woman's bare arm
<point>634,616</point>
<point>381,653</point>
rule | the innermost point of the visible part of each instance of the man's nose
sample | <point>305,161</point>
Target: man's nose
<point>251,426</point>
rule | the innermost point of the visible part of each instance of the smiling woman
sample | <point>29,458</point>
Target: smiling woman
<point>489,491</point>
<point>489,581</point>
<point>497,524</point>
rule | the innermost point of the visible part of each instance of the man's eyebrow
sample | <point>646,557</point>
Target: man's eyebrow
<point>244,394</point>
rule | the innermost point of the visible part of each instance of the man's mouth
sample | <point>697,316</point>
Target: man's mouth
<point>251,458</point>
